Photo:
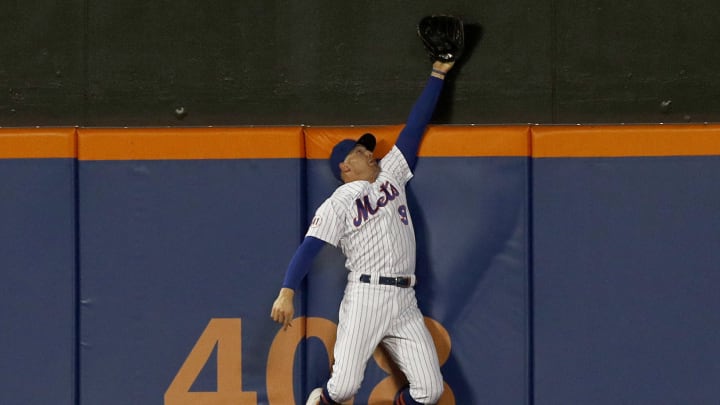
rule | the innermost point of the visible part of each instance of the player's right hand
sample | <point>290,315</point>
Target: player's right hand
<point>283,308</point>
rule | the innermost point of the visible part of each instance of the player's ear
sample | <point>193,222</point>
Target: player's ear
<point>344,170</point>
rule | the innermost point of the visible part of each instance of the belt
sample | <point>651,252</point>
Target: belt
<point>402,282</point>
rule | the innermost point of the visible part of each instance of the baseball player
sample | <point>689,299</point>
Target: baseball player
<point>368,218</point>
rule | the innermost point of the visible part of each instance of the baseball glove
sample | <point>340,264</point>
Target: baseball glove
<point>443,37</point>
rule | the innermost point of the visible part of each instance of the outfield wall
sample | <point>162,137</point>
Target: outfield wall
<point>557,264</point>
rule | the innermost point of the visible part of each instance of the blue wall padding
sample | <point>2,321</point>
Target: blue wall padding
<point>626,276</point>
<point>470,218</point>
<point>168,245</point>
<point>570,280</point>
<point>37,293</point>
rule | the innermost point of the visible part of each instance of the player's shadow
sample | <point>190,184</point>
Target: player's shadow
<point>473,37</point>
<point>426,288</point>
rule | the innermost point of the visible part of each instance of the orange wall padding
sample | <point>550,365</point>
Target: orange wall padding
<point>319,141</point>
<point>190,143</point>
<point>439,141</point>
<point>16,143</point>
<point>316,142</point>
<point>625,140</point>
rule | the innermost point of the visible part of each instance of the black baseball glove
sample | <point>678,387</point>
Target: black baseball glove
<point>443,37</point>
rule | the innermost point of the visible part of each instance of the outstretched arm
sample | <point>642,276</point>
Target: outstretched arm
<point>283,308</point>
<point>409,139</point>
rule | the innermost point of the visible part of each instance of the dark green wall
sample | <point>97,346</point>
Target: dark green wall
<point>134,63</point>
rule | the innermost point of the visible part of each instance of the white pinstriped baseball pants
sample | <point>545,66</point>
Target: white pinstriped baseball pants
<point>372,314</point>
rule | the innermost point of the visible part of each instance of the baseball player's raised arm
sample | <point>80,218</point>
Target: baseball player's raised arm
<point>409,139</point>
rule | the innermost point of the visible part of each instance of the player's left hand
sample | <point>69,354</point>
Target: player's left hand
<point>283,308</point>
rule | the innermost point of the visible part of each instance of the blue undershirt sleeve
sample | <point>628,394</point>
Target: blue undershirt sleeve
<point>301,261</point>
<point>409,139</point>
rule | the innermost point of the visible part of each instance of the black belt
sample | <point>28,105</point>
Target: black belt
<point>402,282</point>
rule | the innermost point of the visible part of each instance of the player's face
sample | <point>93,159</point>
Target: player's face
<point>362,165</point>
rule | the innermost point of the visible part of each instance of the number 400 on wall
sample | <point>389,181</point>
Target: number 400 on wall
<point>226,334</point>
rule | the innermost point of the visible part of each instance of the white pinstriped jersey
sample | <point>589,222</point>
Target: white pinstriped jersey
<point>371,222</point>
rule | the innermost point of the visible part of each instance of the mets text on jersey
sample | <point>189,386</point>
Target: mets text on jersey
<point>364,206</point>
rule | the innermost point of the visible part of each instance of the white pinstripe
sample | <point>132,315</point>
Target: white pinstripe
<point>371,314</point>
